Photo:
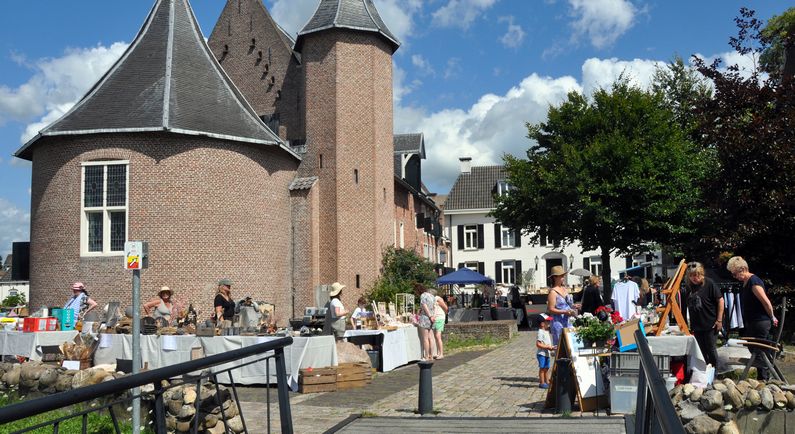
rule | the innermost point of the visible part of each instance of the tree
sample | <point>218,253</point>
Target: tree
<point>402,268</point>
<point>681,88</point>
<point>750,124</point>
<point>778,57</point>
<point>614,172</point>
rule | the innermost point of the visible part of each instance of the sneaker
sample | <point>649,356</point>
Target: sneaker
<point>543,386</point>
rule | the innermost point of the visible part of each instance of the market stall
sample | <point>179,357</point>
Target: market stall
<point>156,351</point>
<point>398,347</point>
<point>305,352</point>
<point>16,343</point>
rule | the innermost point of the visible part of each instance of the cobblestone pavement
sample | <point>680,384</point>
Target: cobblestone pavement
<point>498,383</point>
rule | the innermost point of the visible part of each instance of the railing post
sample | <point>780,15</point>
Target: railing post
<point>160,409</point>
<point>285,415</point>
<point>640,403</point>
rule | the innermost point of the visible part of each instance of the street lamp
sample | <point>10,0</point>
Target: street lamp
<point>536,262</point>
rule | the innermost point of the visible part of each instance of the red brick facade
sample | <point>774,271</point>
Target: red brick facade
<point>208,208</point>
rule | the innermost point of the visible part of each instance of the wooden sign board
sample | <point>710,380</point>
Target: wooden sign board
<point>586,382</point>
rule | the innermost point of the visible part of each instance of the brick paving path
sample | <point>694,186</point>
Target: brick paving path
<point>498,383</point>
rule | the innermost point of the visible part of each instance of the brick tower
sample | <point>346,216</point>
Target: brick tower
<point>346,53</point>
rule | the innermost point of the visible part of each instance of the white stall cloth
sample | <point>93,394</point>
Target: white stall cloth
<point>156,351</point>
<point>28,344</point>
<point>399,346</point>
<point>679,346</point>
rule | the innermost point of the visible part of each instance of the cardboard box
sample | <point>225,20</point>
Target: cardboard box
<point>34,324</point>
<point>626,334</point>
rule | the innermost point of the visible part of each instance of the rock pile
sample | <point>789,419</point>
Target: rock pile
<point>34,376</point>
<point>715,409</point>
<point>180,403</point>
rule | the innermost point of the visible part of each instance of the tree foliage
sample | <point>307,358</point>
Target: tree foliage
<point>613,171</point>
<point>402,268</point>
<point>681,88</point>
<point>750,124</point>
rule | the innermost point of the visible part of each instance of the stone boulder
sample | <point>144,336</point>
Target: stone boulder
<point>688,411</point>
<point>703,425</point>
<point>733,396</point>
<point>767,399</point>
<point>49,377</point>
<point>697,394</point>
<point>790,400</point>
<point>711,400</point>
<point>11,376</point>
<point>753,399</point>
<point>729,428</point>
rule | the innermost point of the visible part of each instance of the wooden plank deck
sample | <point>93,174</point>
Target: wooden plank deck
<point>390,425</point>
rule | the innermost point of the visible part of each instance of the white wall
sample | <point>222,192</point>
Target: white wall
<point>22,287</point>
<point>525,253</point>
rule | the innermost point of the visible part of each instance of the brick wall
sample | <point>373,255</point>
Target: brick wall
<point>502,330</point>
<point>208,208</point>
<point>306,275</point>
<point>252,66</point>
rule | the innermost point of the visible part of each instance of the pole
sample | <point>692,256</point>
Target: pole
<point>136,347</point>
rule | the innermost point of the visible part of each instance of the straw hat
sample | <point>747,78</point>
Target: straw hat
<point>558,270</point>
<point>336,288</point>
<point>225,282</point>
<point>78,286</point>
<point>165,289</point>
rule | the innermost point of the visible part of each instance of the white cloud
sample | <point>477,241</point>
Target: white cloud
<point>56,84</point>
<point>14,225</point>
<point>399,86</point>
<point>598,73</point>
<point>398,15</point>
<point>514,36</point>
<point>422,65</point>
<point>460,13</point>
<point>746,63</point>
<point>602,21</point>
<point>453,68</point>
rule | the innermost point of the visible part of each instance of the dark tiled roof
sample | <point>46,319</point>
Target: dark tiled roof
<point>167,80</point>
<point>303,183</point>
<point>410,143</point>
<point>348,14</point>
<point>475,190</point>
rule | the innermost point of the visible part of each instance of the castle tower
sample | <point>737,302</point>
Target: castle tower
<point>346,53</point>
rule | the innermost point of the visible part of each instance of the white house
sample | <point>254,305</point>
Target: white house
<point>481,243</point>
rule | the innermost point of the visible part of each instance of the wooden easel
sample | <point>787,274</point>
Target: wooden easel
<point>586,404</point>
<point>671,291</point>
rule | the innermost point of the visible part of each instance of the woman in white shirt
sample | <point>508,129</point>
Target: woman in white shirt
<point>358,313</point>
<point>335,313</point>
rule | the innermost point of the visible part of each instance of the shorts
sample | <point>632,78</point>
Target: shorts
<point>543,361</point>
<point>438,325</point>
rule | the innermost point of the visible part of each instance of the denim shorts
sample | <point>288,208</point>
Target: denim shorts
<point>543,361</point>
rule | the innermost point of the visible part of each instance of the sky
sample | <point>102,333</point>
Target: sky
<point>469,73</point>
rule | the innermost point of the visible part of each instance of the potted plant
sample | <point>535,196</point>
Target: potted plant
<point>593,330</point>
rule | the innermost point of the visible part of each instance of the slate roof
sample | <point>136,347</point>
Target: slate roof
<point>474,190</point>
<point>347,14</point>
<point>303,183</point>
<point>167,80</point>
<point>413,143</point>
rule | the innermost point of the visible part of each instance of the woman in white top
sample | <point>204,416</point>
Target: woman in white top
<point>163,305</point>
<point>335,313</point>
<point>358,313</point>
<point>439,313</point>
<point>80,303</point>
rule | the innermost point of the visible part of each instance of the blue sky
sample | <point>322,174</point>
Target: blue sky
<point>469,74</point>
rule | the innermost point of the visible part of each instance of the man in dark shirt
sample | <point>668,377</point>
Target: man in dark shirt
<point>705,305</point>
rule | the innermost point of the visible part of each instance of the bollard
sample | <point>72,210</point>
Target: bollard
<point>563,385</point>
<point>426,388</point>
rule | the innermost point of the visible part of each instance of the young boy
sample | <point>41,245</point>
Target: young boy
<point>544,344</point>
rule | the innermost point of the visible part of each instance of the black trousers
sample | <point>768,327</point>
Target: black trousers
<point>759,329</point>
<point>707,342</point>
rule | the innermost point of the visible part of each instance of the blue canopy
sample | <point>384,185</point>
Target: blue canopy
<point>463,276</point>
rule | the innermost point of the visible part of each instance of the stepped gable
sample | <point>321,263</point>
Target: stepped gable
<point>347,14</point>
<point>167,80</point>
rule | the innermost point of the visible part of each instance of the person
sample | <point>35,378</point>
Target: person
<point>625,297</point>
<point>357,317</point>
<point>757,309</point>
<point>439,313</point>
<point>657,279</point>
<point>163,305</point>
<point>335,313</point>
<point>705,305</point>
<point>544,345</point>
<point>80,303</point>
<point>644,291</point>
<point>223,303</point>
<point>426,319</point>
<point>517,305</point>
<point>559,303</point>
<point>591,297</point>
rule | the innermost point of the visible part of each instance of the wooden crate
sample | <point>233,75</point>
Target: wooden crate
<point>353,375</point>
<point>317,380</point>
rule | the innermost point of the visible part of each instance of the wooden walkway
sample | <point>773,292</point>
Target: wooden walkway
<point>401,425</point>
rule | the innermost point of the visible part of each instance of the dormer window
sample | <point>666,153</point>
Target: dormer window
<point>503,187</point>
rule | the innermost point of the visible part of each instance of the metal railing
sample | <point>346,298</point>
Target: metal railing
<point>654,411</point>
<point>109,392</point>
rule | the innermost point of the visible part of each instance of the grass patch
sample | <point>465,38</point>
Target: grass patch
<point>368,414</point>
<point>566,415</point>
<point>455,343</point>
<point>98,422</point>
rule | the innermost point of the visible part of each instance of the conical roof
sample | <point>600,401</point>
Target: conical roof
<point>167,80</point>
<point>348,14</point>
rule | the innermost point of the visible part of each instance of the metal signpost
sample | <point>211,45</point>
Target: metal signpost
<point>136,259</point>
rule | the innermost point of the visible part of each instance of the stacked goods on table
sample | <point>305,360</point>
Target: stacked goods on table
<point>353,375</point>
<point>82,350</point>
<point>317,380</point>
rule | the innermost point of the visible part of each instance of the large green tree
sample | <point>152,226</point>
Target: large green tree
<point>401,269</point>
<point>613,171</point>
<point>750,124</point>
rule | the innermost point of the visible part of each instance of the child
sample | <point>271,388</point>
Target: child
<point>544,344</point>
<point>358,314</point>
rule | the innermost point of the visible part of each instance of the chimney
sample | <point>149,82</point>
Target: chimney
<point>466,164</point>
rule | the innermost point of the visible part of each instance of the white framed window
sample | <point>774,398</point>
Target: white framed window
<point>103,204</point>
<point>471,265</point>
<point>595,265</point>
<point>443,257</point>
<point>402,238</point>
<point>503,187</point>
<point>508,237</point>
<point>471,237</point>
<point>508,272</point>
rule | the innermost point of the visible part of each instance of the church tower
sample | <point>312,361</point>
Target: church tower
<point>346,55</point>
